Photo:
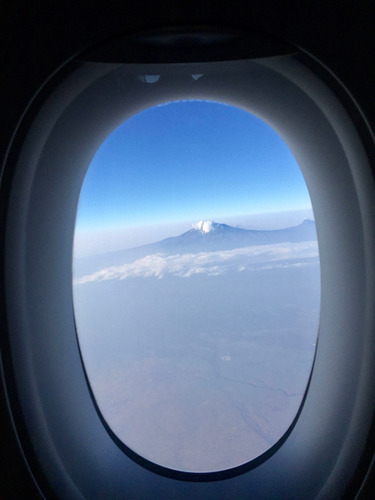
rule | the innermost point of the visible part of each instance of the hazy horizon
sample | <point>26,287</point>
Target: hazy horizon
<point>95,242</point>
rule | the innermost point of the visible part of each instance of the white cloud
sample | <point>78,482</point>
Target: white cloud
<point>209,263</point>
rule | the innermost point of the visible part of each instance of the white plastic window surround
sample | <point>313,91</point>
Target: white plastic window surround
<point>78,455</point>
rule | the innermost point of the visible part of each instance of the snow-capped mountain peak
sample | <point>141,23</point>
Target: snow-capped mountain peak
<point>205,226</point>
<point>204,236</point>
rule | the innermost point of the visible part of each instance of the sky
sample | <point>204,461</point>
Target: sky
<point>185,161</point>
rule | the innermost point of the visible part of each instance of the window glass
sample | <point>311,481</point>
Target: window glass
<point>196,285</point>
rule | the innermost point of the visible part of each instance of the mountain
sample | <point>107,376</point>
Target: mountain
<point>209,236</point>
<point>205,236</point>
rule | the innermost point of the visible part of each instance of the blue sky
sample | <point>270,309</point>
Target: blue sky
<point>187,161</point>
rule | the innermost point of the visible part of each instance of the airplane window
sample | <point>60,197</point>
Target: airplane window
<point>196,284</point>
<point>185,368</point>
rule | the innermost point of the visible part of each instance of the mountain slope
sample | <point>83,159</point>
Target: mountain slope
<point>205,236</point>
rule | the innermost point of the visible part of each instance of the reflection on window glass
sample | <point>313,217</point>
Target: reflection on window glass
<point>196,285</point>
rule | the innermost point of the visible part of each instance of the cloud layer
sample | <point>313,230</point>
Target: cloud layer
<point>209,263</point>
